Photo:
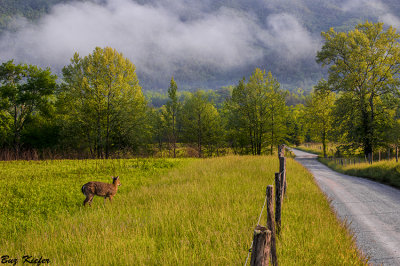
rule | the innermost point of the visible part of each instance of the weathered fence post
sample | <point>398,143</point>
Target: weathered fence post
<point>260,251</point>
<point>271,224</point>
<point>282,170</point>
<point>281,150</point>
<point>278,201</point>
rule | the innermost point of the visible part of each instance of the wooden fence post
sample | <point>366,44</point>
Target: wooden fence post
<point>278,201</point>
<point>281,150</point>
<point>271,224</point>
<point>282,170</point>
<point>260,251</point>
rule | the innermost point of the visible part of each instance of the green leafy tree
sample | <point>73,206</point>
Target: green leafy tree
<point>103,102</point>
<point>363,66</point>
<point>171,113</point>
<point>318,113</point>
<point>158,126</point>
<point>25,91</point>
<point>257,112</point>
<point>295,124</point>
<point>201,122</point>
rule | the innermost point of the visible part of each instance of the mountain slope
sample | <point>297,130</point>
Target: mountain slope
<point>204,43</point>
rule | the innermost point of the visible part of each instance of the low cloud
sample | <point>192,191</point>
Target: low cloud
<point>374,8</point>
<point>287,37</point>
<point>159,39</point>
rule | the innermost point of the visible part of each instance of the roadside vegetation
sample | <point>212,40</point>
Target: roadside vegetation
<point>166,212</point>
<point>384,171</point>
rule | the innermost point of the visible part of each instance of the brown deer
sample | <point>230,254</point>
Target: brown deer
<point>100,189</point>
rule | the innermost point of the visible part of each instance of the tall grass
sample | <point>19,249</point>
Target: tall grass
<point>198,212</point>
<point>34,191</point>
<point>317,148</point>
<point>387,171</point>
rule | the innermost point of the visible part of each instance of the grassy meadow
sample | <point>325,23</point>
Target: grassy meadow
<point>167,212</point>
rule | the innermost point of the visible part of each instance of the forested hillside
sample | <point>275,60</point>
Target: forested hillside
<point>283,37</point>
<point>32,10</point>
<point>203,44</point>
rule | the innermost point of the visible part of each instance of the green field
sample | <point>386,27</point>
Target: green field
<point>168,212</point>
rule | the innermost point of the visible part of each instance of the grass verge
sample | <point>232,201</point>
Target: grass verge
<point>387,171</point>
<point>183,212</point>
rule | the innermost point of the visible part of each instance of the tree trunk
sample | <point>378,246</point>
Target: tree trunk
<point>366,127</point>
<point>324,142</point>
<point>173,134</point>
<point>272,135</point>
<point>108,127</point>
<point>199,135</point>
<point>17,136</point>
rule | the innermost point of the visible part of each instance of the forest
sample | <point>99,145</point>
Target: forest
<point>97,109</point>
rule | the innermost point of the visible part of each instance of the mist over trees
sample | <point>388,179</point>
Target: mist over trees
<point>203,44</point>
<point>98,109</point>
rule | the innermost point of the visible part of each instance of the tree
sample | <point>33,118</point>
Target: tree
<point>25,91</point>
<point>156,118</point>
<point>295,124</point>
<point>364,66</point>
<point>172,109</point>
<point>257,112</point>
<point>200,121</point>
<point>319,107</point>
<point>103,101</point>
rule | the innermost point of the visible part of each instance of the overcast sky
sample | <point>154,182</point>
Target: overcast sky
<point>162,35</point>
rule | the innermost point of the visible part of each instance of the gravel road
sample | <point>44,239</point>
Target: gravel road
<point>372,209</point>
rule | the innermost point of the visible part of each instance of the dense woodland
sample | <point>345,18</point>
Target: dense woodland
<point>97,108</point>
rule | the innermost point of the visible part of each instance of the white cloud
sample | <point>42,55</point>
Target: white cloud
<point>374,7</point>
<point>158,38</point>
<point>288,37</point>
<point>390,19</point>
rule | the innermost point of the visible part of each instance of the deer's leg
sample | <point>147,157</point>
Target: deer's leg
<point>90,200</point>
<point>110,197</point>
<point>86,201</point>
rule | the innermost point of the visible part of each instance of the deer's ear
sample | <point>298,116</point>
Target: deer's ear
<point>116,177</point>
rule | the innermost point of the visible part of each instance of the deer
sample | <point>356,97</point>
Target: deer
<point>101,189</point>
